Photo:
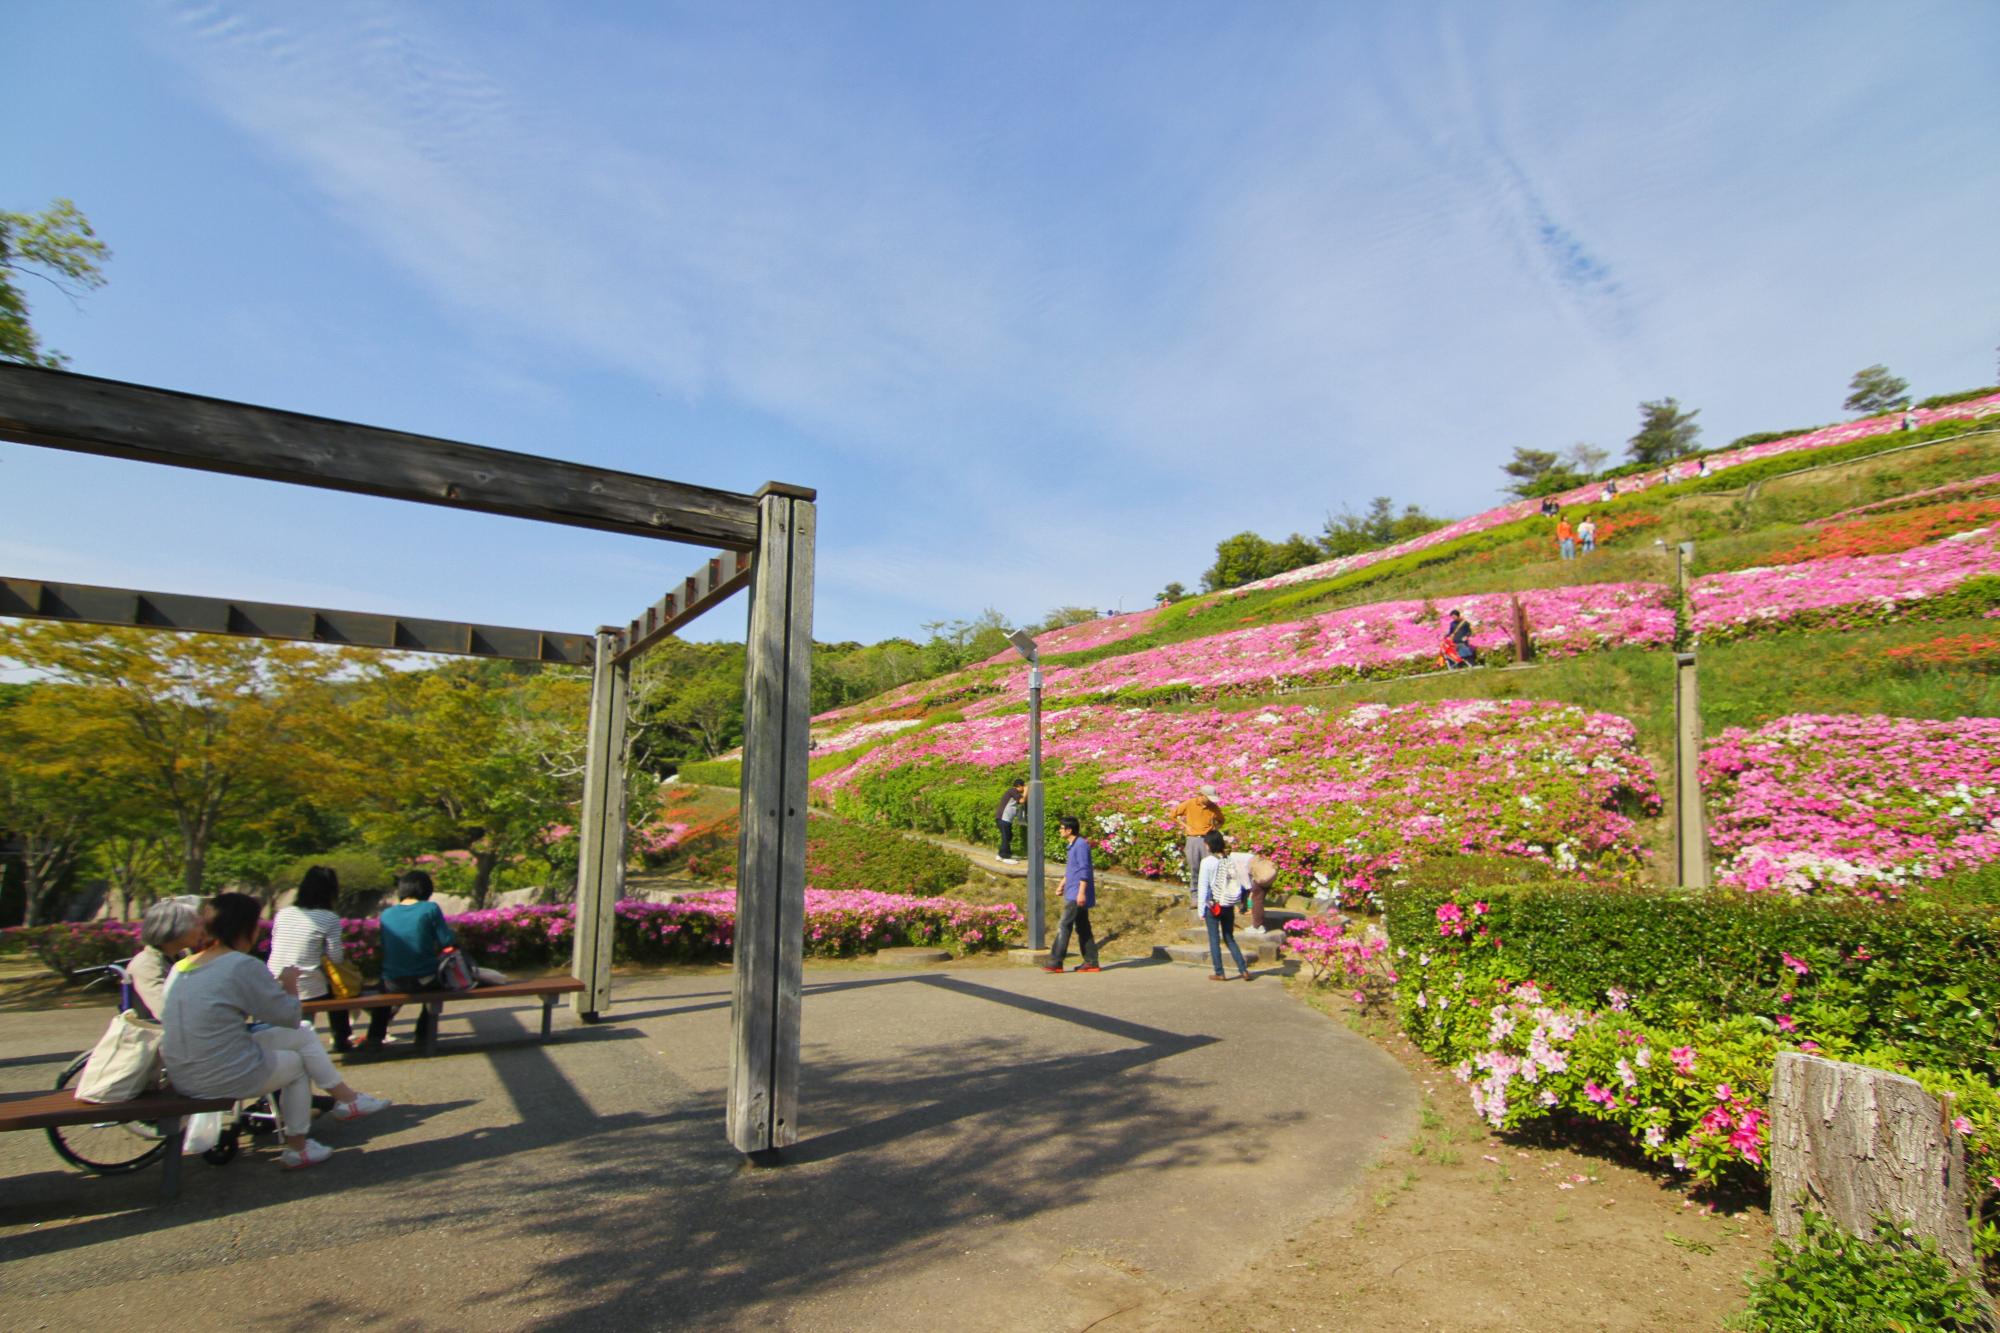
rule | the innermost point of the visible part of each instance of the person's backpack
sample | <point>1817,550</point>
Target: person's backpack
<point>455,972</point>
<point>1228,890</point>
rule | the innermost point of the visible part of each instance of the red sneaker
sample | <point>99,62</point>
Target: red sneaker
<point>1090,967</point>
<point>1050,967</point>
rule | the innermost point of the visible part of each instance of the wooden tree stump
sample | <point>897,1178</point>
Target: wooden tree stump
<point>1855,1144</point>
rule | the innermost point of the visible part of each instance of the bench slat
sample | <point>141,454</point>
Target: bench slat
<point>46,1110</point>
<point>537,989</point>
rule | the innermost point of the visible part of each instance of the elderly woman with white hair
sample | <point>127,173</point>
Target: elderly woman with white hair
<point>170,929</point>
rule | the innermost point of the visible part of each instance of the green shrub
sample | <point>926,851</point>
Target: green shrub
<point>364,878</point>
<point>1833,1282</point>
<point>1766,436</point>
<point>840,855</point>
<point>1920,978</point>
<point>1947,399</point>
<point>65,948</point>
<point>713,772</point>
<point>959,802</point>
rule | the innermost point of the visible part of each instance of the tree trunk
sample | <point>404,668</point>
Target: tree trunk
<point>482,878</point>
<point>1856,1143</point>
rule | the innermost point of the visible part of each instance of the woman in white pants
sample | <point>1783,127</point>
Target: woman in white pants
<point>210,1051</point>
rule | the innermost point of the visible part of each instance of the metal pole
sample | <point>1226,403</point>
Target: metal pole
<point>1690,825</point>
<point>1037,821</point>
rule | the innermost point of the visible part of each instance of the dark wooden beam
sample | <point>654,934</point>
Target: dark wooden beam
<point>714,582</point>
<point>95,416</point>
<point>31,599</point>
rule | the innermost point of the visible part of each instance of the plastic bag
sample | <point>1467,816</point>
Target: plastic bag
<point>204,1128</point>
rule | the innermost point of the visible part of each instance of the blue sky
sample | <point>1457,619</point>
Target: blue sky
<point>1044,299</point>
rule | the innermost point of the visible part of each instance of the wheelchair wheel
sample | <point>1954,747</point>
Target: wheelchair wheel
<point>111,1147</point>
<point>226,1147</point>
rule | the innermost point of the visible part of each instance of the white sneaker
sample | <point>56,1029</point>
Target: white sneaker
<point>312,1154</point>
<point>360,1106</point>
<point>1009,860</point>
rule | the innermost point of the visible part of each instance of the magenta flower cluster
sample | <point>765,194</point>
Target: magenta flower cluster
<point>1080,638</point>
<point>1866,805</point>
<point>1840,591</point>
<point>1382,638</point>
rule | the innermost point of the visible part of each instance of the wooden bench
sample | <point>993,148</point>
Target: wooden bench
<point>547,990</point>
<point>52,1110</point>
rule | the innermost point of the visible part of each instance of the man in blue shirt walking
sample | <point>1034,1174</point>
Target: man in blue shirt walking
<point>1079,896</point>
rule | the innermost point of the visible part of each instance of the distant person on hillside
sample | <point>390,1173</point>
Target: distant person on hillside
<point>1586,534</point>
<point>1610,491</point>
<point>1566,539</point>
<point>1198,816</point>
<point>1079,896</point>
<point>1009,811</point>
<point>1701,468</point>
<point>1549,507</point>
<point>1909,418</point>
<point>1458,652</point>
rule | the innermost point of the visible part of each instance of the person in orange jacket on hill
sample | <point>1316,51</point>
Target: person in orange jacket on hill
<point>1566,538</point>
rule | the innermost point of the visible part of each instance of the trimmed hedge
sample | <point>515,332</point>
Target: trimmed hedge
<point>1920,977</point>
<point>935,797</point>
<point>1947,399</point>
<point>712,772</point>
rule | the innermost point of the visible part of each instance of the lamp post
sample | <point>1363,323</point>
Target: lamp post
<point>1024,644</point>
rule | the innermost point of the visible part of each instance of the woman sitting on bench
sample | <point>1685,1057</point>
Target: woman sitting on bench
<point>210,1051</point>
<point>414,937</point>
<point>168,931</point>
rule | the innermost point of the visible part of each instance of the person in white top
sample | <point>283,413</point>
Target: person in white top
<point>210,1051</point>
<point>1223,882</point>
<point>304,936</point>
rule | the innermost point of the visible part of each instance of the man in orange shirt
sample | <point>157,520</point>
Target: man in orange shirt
<point>1566,538</point>
<point>1198,816</point>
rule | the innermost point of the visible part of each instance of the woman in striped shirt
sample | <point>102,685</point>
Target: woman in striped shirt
<point>306,934</point>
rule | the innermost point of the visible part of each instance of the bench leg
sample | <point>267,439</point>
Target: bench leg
<point>548,1012</point>
<point>429,1045</point>
<point>170,1169</point>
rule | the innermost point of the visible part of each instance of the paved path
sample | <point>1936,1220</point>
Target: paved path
<point>986,1148</point>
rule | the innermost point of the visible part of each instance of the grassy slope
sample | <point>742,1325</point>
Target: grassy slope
<point>1743,684</point>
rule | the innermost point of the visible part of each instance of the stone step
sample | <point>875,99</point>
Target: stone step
<point>1255,953</point>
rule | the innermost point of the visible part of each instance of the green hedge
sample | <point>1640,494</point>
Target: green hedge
<point>713,772</point>
<point>1965,396</point>
<point>1921,978</point>
<point>959,802</point>
<point>840,855</point>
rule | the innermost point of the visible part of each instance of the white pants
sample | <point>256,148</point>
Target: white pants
<point>294,1061</point>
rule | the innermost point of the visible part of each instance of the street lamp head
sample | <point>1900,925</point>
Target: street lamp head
<point>1024,644</point>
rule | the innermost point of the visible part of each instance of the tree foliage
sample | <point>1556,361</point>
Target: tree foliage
<point>56,246</point>
<point>1873,391</point>
<point>1665,433</point>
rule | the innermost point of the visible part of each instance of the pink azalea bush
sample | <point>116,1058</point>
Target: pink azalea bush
<point>1915,499</point>
<point>1841,592</point>
<point>1866,805</point>
<point>1382,638</point>
<point>1337,798</point>
<point>838,739</point>
<point>1334,955</point>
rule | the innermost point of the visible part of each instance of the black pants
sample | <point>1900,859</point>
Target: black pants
<point>341,1023</point>
<point>1077,918</point>
<point>1006,837</point>
<point>378,1019</point>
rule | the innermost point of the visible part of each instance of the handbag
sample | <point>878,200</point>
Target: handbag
<point>455,972</point>
<point>343,979</point>
<point>124,1063</point>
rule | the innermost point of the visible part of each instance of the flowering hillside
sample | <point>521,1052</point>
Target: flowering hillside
<point>1824,438</point>
<point>1080,638</point>
<point>1841,591</point>
<point>1336,798</point>
<point>1872,806</point>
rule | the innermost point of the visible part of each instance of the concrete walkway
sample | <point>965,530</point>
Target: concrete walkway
<point>985,1148</point>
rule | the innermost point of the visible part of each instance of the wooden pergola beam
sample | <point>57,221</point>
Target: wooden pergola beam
<point>60,410</point>
<point>33,599</point>
<point>719,578</point>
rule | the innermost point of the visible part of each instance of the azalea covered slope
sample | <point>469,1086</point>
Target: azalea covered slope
<point>1853,590</point>
<point>1337,798</point>
<point>1874,806</point>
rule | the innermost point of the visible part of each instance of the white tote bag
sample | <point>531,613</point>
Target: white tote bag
<point>125,1062</point>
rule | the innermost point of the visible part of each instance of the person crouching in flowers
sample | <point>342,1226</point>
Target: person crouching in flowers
<point>210,1051</point>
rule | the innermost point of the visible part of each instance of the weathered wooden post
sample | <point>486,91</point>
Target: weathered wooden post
<point>771,861</point>
<point>1690,822</point>
<point>1855,1143</point>
<point>600,870</point>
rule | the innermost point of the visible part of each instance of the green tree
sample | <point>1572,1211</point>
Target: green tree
<point>50,793</point>
<point>480,757</point>
<point>1873,391</point>
<point>1170,594</point>
<point>1348,533</point>
<point>204,730</point>
<point>1527,468</point>
<point>56,246</point>
<point>1665,433</point>
<point>1238,560</point>
<point>1064,616</point>
<point>1585,459</point>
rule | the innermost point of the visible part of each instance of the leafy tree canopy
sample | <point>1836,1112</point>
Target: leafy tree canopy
<point>1665,433</point>
<point>1873,391</point>
<point>55,246</point>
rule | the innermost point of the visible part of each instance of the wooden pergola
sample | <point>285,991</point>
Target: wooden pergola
<point>765,543</point>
